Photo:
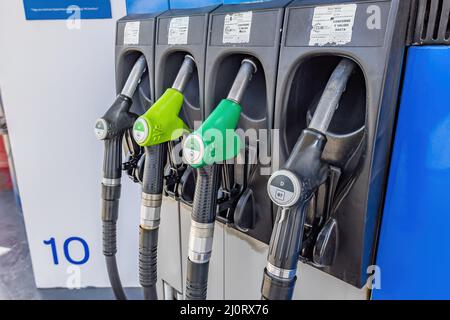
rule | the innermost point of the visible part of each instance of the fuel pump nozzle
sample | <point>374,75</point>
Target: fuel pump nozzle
<point>215,141</point>
<point>161,122</point>
<point>292,187</point>
<point>152,130</point>
<point>111,128</point>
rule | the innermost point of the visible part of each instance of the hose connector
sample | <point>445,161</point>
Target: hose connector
<point>200,242</point>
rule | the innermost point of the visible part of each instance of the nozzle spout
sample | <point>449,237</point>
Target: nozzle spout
<point>247,69</point>
<point>185,73</point>
<point>135,77</point>
<point>329,101</point>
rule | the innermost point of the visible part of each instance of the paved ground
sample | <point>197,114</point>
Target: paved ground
<point>16,273</point>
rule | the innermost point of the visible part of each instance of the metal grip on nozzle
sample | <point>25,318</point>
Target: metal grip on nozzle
<point>135,77</point>
<point>247,69</point>
<point>185,73</point>
<point>329,101</point>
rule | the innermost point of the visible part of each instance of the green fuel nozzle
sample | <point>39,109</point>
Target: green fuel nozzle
<point>216,140</point>
<point>161,123</point>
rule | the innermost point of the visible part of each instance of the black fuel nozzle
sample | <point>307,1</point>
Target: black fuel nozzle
<point>292,187</point>
<point>111,129</point>
<point>118,118</point>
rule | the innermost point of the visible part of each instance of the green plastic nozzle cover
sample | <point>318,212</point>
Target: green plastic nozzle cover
<point>161,122</point>
<point>216,140</point>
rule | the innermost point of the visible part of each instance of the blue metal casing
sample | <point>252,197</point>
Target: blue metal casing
<point>242,1</point>
<point>189,4</point>
<point>146,6</point>
<point>413,253</point>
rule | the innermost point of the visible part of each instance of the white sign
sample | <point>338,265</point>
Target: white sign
<point>237,27</point>
<point>131,32</point>
<point>178,30</point>
<point>333,25</point>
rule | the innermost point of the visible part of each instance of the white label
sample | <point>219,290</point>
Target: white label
<point>193,149</point>
<point>140,130</point>
<point>333,25</point>
<point>131,32</point>
<point>237,27</point>
<point>178,30</point>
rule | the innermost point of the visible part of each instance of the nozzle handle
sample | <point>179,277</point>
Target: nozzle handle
<point>135,77</point>
<point>112,160</point>
<point>184,74</point>
<point>155,159</point>
<point>284,251</point>
<point>205,197</point>
<point>247,69</point>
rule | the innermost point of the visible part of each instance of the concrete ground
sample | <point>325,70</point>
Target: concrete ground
<point>16,273</point>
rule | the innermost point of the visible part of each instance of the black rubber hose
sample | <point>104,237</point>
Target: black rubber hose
<point>114,278</point>
<point>148,245</point>
<point>197,280</point>
<point>150,293</point>
<point>203,211</point>
<point>110,211</point>
<point>152,184</point>
<point>109,217</point>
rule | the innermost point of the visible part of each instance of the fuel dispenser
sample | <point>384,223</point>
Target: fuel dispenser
<point>155,129</point>
<point>133,74</point>
<point>239,31</point>
<point>325,75</point>
<point>338,226</point>
<point>180,31</point>
<point>206,149</point>
<point>135,38</point>
<point>134,81</point>
<point>112,128</point>
<point>292,189</point>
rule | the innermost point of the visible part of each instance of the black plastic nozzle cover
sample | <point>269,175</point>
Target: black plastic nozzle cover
<point>118,120</point>
<point>306,163</point>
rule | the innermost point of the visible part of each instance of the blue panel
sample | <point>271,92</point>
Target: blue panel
<point>242,1</point>
<point>65,9</point>
<point>187,4</point>
<point>414,247</point>
<point>146,6</point>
